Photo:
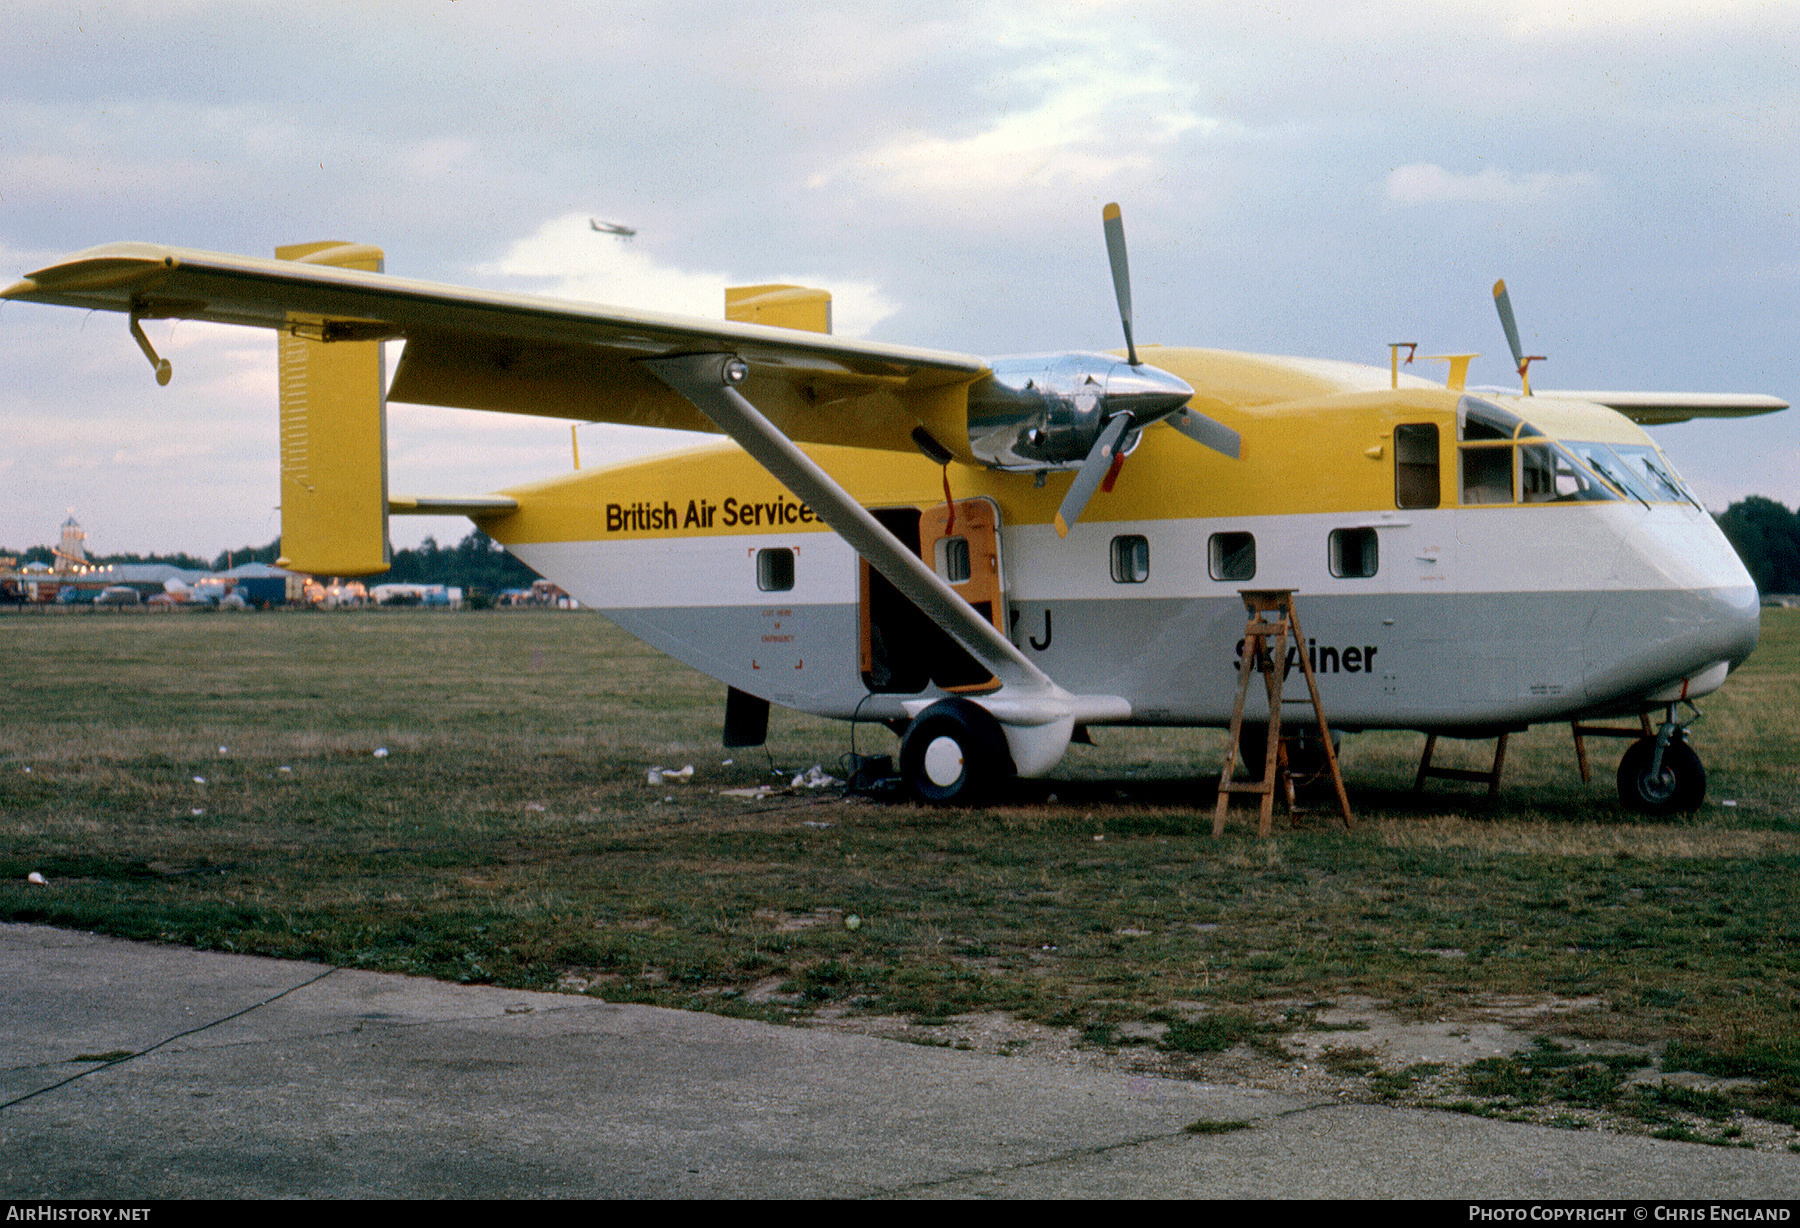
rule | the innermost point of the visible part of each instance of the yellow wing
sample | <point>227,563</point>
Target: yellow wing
<point>478,349</point>
<point>1659,408</point>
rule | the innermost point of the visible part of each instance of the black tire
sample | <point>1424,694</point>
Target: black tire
<point>1678,789</point>
<point>954,754</point>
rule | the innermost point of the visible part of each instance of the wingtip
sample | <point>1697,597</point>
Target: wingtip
<point>1111,212</point>
<point>1062,528</point>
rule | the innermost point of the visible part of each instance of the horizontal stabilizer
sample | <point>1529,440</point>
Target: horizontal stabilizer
<point>451,505</point>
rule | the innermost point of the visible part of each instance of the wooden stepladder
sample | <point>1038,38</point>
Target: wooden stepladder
<point>1581,732</point>
<point>1272,625</point>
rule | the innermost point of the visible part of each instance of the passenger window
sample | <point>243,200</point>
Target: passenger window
<point>1130,559</point>
<point>953,559</point>
<point>1355,553</point>
<point>1231,556</point>
<point>1416,465</point>
<point>775,569</point>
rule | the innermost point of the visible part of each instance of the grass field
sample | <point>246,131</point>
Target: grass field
<point>214,780</point>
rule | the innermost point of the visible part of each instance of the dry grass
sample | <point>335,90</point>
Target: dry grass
<point>509,835</point>
<point>1691,839</point>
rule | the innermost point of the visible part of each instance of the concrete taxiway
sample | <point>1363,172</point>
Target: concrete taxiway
<point>132,1070</point>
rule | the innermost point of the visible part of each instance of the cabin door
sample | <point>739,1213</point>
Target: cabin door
<point>903,651</point>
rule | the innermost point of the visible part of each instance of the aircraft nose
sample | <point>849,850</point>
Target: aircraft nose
<point>1741,613</point>
<point>1655,640</point>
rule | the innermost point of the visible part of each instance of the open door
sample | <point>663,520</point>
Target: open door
<point>903,651</point>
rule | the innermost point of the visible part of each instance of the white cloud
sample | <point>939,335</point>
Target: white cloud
<point>1571,17</point>
<point>1427,183</point>
<point>566,258</point>
<point>1084,108</point>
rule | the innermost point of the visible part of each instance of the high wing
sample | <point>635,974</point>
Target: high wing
<point>479,349</point>
<point>1661,408</point>
<point>768,388</point>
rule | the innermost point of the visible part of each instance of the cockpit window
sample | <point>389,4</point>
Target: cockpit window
<point>1478,419</point>
<point>1547,474</point>
<point>1600,458</point>
<point>1485,457</point>
<point>1654,471</point>
<point>1487,474</point>
<point>1636,469</point>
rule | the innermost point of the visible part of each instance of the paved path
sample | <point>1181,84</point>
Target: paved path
<point>266,1078</point>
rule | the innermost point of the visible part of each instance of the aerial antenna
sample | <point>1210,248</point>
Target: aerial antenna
<point>1394,348</point>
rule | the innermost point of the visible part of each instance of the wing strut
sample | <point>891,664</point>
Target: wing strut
<point>707,380</point>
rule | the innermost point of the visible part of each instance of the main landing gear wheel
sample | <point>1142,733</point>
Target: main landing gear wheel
<point>954,754</point>
<point>1678,788</point>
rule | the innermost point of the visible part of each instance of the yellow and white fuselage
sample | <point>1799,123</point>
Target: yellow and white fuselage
<point>1473,608</point>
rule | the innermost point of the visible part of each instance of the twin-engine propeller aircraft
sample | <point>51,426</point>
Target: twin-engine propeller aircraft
<point>994,554</point>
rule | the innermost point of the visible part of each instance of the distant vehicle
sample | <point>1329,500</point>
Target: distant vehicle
<point>118,594</point>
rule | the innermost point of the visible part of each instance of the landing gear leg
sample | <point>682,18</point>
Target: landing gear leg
<point>954,754</point>
<point>1661,776</point>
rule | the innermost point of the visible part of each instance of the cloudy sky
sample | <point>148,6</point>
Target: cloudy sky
<point>1306,178</point>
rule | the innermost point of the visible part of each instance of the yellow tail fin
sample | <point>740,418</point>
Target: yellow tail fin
<point>334,503</point>
<point>782,306</point>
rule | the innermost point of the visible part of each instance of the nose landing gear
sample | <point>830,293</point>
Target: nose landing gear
<point>1661,776</point>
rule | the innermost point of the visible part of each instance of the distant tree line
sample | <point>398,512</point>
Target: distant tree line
<point>475,562</point>
<point>187,562</point>
<point>1767,538</point>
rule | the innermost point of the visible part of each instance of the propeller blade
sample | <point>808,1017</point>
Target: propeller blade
<point>1503,302</point>
<point>1115,252</point>
<point>1203,430</point>
<point>1091,474</point>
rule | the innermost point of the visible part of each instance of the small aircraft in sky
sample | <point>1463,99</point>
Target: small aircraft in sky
<point>991,555</point>
<point>611,228</point>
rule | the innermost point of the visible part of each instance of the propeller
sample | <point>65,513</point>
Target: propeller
<point>1155,394</point>
<point>1203,430</point>
<point>1121,271</point>
<point>1521,360</point>
<point>1092,472</point>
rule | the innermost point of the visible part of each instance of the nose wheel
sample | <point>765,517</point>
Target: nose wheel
<point>954,754</point>
<point>1673,782</point>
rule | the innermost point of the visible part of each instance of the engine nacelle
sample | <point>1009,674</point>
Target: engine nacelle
<point>1044,411</point>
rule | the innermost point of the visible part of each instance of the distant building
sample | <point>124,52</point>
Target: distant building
<point>71,555</point>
